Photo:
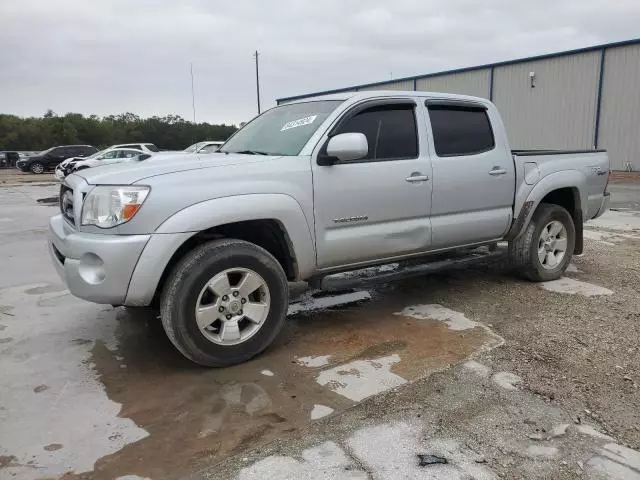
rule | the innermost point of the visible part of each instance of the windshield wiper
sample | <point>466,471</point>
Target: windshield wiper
<point>250,152</point>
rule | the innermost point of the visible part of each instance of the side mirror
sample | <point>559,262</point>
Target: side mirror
<point>347,146</point>
<point>143,156</point>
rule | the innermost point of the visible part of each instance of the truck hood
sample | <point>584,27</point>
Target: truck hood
<point>131,172</point>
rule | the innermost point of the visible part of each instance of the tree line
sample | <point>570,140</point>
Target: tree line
<point>170,132</point>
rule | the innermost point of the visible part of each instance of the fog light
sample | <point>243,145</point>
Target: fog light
<point>91,269</point>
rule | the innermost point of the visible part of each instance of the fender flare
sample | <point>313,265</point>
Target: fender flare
<point>573,179</point>
<point>260,206</point>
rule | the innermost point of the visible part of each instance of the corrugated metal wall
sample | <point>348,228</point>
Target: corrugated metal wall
<point>620,107</point>
<point>401,85</point>
<point>559,112</point>
<point>474,82</point>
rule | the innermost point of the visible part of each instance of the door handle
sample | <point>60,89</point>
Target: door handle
<point>497,171</point>
<point>417,177</point>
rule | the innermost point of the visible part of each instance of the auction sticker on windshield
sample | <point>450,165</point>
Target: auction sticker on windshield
<point>298,123</point>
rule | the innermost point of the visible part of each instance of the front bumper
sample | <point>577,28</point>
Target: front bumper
<point>95,267</point>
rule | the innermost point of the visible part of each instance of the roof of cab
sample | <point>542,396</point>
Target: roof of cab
<point>355,96</point>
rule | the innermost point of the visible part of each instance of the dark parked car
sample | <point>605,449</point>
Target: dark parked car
<point>8,159</point>
<point>49,159</point>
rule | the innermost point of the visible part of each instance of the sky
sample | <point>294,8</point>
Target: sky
<point>111,56</point>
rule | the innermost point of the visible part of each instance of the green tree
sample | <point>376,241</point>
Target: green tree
<point>171,132</point>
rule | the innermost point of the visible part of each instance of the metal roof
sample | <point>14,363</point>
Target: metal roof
<point>465,69</point>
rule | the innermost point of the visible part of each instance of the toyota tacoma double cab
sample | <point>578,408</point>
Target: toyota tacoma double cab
<point>307,190</point>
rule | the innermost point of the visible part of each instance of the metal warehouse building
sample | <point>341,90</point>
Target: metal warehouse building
<point>577,99</point>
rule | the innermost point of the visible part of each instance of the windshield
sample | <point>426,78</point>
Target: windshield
<point>47,150</point>
<point>96,155</point>
<point>282,130</point>
<point>151,147</point>
<point>194,148</point>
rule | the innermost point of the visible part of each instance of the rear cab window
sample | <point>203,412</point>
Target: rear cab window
<point>460,129</point>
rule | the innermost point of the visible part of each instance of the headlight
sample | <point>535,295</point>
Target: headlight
<point>110,205</point>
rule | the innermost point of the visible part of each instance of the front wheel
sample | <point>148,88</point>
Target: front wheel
<point>544,250</point>
<point>36,168</point>
<point>224,302</point>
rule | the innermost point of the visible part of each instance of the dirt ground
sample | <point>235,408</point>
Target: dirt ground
<point>10,177</point>
<point>471,374</point>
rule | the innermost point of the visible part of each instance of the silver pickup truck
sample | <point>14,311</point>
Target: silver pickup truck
<point>307,190</point>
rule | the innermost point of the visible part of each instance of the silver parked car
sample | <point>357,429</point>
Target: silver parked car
<point>204,147</point>
<point>107,156</point>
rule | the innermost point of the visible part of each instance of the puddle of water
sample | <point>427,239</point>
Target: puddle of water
<point>320,411</point>
<point>454,320</point>
<point>311,304</point>
<point>319,361</point>
<point>362,378</point>
<point>324,461</point>
<point>575,287</point>
<point>48,379</point>
<point>196,415</point>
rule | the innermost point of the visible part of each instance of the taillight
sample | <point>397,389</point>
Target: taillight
<point>606,185</point>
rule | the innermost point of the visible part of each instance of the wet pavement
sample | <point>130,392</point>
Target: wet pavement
<point>93,392</point>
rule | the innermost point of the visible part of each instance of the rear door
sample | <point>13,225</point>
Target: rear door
<point>376,207</point>
<point>473,174</point>
<point>57,155</point>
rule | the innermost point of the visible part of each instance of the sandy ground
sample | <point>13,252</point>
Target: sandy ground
<point>11,177</point>
<point>497,377</point>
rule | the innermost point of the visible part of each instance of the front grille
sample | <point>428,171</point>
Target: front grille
<point>66,203</point>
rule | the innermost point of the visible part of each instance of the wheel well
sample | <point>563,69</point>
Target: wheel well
<point>268,234</point>
<point>569,199</point>
<point>565,197</point>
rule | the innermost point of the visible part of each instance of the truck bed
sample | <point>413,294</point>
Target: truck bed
<point>590,168</point>
<point>524,153</point>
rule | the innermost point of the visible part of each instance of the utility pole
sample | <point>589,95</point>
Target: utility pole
<point>257,80</point>
<point>193,96</point>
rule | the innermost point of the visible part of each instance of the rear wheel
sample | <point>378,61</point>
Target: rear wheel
<point>36,167</point>
<point>224,302</point>
<point>544,250</point>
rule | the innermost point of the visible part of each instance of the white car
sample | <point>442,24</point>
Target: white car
<point>104,157</point>
<point>144,147</point>
<point>204,147</point>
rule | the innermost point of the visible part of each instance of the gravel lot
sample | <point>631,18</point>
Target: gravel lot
<point>497,377</point>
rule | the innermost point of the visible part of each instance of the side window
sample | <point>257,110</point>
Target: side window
<point>460,130</point>
<point>109,155</point>
<point>128,153</point>
<point>390,130</point>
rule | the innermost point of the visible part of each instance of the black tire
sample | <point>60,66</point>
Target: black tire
<point>523,251</point>
<point>189,276</point>
<point>36,167</point>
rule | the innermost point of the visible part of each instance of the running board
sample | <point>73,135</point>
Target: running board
<point>383,274</point>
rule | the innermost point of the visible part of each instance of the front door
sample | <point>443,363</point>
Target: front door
<point>376,207</point>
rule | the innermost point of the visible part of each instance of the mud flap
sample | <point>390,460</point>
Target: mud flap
<point>579,227</point>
